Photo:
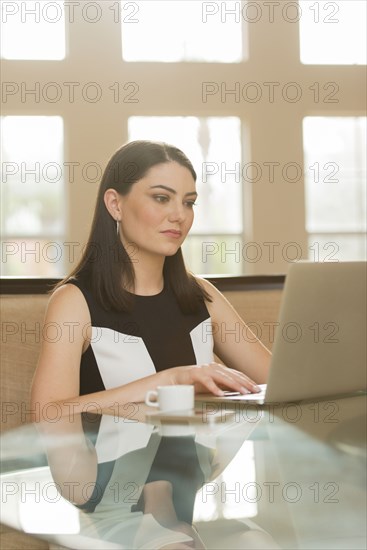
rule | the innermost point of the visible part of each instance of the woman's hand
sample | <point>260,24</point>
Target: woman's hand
<point>212,377</point>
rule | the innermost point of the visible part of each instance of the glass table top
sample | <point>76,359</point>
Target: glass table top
<point>228,476</point>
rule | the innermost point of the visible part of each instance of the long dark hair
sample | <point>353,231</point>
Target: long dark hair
<point>106,266</point>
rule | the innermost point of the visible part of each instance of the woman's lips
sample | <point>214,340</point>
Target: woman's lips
<point>172,233</point>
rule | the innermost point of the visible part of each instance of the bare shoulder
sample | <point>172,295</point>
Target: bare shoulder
<point>66,335</point>
<point>68,301</point>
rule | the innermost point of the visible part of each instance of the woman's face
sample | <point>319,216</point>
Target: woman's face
<point>157,213</point>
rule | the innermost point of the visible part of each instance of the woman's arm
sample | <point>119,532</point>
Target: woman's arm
<point>71,457</point>
<point>235,344</point>
<point>57,375</point>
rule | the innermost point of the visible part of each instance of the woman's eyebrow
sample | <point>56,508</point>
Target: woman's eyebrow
<point>171,190</point>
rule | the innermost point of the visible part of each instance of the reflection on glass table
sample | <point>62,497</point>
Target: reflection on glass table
<point>291,476</point>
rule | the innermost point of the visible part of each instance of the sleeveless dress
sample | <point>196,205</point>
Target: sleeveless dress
<point>156,335</point>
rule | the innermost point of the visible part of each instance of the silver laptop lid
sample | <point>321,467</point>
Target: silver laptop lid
<point>320,343</point>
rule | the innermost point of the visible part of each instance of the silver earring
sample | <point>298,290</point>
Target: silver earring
<point>117,227</point>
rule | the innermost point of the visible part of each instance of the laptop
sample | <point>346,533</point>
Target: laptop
<point>319,349</point>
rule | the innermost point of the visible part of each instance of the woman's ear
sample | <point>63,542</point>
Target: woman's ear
<point>112,202</point>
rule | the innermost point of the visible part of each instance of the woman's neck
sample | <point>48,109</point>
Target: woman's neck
<point>148,276</point>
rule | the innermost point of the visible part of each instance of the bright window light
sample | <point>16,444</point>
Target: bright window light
<point>33,30</point>
<point>182,31</point>
<point>335,169</point>
<point>335,186</point>
<point>32,195</point>
<point>333,33</point>
<point>32,175</point>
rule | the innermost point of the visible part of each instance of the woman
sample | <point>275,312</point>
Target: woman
<point>131,317</point>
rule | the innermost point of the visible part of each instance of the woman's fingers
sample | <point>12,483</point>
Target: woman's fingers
<point>237,377</point>
<point>214,375</point>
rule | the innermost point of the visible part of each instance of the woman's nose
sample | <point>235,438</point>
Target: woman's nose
<point>177,212</point>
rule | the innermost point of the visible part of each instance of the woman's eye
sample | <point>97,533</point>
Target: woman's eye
<point>161,198</point>
<point>190,204</point>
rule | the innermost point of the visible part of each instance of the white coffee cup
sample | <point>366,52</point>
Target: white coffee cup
<point>171,398</point>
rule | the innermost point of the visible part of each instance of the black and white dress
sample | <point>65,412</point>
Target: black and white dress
<point>156,335</point>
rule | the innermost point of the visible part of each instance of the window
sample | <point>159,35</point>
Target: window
<point>28,25</point>
<point>333,33</point>
<point>213,145</point>
<point>32,196</point>
<point>181,31</point>
<point>335,187</point>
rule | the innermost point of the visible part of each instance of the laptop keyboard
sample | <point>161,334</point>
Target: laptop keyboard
<point>248,396</point>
